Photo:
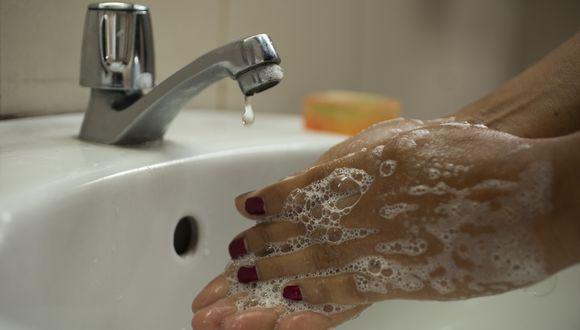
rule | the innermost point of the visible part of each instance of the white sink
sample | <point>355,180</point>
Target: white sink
<point>87,231</point>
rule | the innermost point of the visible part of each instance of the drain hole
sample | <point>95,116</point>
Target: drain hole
<point>185,236</point>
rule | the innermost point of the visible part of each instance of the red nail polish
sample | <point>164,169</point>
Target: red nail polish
<point>255,206</point>
<point>292,292</point>
<point>247,274</point>
<point>237,248</point>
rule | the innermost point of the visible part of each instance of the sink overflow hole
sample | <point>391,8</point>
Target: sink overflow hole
<point>186,236</point>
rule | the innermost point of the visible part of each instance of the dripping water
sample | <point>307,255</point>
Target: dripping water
<point>248,112</point>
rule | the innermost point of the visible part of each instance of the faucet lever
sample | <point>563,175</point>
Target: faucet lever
<point>117,64</point>
<point>117,50</point>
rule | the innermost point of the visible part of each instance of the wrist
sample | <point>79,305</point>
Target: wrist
<point>559,232</point>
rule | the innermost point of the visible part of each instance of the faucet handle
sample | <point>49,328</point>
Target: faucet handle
<point>117,50</point>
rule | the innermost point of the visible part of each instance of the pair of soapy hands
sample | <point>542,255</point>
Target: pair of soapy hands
<point>439,195</point>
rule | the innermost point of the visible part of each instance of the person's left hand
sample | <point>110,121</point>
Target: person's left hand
<point>484,166</point>
<point>214,293</point>
<point>218,288</point>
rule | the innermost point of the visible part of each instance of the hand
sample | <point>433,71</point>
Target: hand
<point>214,317</point>
<point>446,211</point>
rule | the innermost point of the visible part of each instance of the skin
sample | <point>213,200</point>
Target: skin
<point>523,132</point>
<point>543,101</point>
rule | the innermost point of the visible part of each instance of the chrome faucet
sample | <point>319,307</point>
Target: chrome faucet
<point>117,63</point>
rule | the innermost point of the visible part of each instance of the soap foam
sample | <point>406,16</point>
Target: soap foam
<point>445,170</point>
<point>320,206</point>
<point>411,247</point>
<point>420,133</point>
<point>510,251</point>
<point>463,124</point>
<point>390,211</point>
<point>439,189</point>
<point>378,151</point>
<point>406,142</point>
<point>387,167</point>
<point>433,173</point>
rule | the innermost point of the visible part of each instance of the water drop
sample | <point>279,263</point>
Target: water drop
<point>248,113</point>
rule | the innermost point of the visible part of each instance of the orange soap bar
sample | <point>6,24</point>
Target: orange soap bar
<point>347,112</point>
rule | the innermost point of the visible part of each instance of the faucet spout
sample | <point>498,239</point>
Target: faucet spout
<point>132,117</point>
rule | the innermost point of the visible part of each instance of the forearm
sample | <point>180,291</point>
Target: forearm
<point>543,101</point>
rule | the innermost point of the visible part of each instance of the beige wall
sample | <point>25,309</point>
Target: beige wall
<point>433,56</point>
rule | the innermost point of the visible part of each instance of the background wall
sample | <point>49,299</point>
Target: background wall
<point>434,56</point>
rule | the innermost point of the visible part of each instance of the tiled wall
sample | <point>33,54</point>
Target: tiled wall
<point>434,56</point>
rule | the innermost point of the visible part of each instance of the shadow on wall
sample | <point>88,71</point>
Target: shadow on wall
<point>434,56</point>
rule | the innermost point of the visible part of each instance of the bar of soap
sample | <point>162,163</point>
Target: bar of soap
<point>347,112</point>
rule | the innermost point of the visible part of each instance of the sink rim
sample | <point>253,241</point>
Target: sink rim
<point>46,154</point>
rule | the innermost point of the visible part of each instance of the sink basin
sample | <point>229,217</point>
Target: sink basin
<point>102,237</point>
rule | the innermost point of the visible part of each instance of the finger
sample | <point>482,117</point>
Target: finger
<point>255,319</point>
<point>269,200</point>
<point>305,321</point>
<point>212,292</point>
<point>371,283</point>
<point>259,237</point>
<point>338,289</point>
<point>307,260</point>
<point>212,316</point>
<point>315,321</point>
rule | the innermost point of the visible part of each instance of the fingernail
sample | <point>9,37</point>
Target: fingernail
<point>237,248</point>
<point>292,292</point>
<point>255,205</point>
<point>247,274</point>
